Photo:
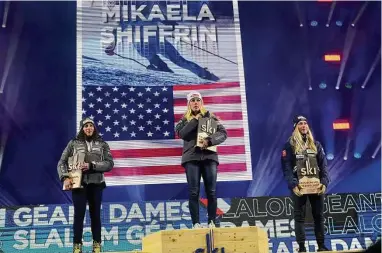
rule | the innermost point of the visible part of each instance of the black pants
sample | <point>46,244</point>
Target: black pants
<point>92,194</point>
<point>194,171</point>
<point>317,204</point>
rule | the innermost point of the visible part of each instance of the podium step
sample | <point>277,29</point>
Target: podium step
<point>345,251</point>
<point>237,239</point>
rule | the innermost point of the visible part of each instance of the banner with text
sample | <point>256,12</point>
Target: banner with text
<point>352,221</point>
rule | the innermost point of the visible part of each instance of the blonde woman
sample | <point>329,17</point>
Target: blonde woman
<point>302,147</point>
<point>199,162</point>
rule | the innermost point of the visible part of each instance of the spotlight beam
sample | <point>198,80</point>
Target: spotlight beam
<point>377,58</point>
<point>347,148</point>
<point>376,151</point>
<point>299,15</point>
<point>360,13</point>
<point>331,13</point>
<point>3,142</point>
<point>5,16</point>
<point>350,34</point>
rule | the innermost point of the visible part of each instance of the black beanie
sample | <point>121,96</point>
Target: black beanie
<point>298,119</point>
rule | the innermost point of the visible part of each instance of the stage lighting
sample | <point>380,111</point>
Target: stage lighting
<point>341,124</point>
<point>314,23</point>
<point>332,57</point>
<point>348,85</point>
<point>338,23</point>
<point>330,156</point>
<point>357,155</point>
<point>322,85</point>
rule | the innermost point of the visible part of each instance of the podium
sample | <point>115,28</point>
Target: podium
<point>227,240</point>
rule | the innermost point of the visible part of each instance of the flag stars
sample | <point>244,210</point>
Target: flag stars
<point>136,113</point>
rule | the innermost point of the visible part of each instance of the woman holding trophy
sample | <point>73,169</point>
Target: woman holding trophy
<point>305,170</point>
<point>81,169</point>
<point>200,131</point>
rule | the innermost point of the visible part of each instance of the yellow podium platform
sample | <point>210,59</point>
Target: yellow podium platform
<point>241,239</point>
<point>217,240</point>
<point>176,241</point>
<point>227,240</point>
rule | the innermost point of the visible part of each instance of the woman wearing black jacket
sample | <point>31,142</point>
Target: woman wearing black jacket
<point>199,161</point>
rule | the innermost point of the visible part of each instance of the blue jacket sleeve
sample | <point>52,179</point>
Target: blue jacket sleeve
<point>322,164</point>
<point>287,166</point>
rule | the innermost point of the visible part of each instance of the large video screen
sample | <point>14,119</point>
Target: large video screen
<point>137,61</point>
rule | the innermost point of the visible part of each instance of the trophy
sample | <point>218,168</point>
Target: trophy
<point>308,173</point>
<point>206,127</point>
<point>75,163</point>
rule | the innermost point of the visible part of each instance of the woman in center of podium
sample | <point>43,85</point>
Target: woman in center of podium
<point>200,161</point>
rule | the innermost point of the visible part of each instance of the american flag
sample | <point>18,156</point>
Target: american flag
<point>138,123</point>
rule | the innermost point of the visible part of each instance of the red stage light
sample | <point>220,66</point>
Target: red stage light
<point>332,57</point>
<point>341,124</point>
